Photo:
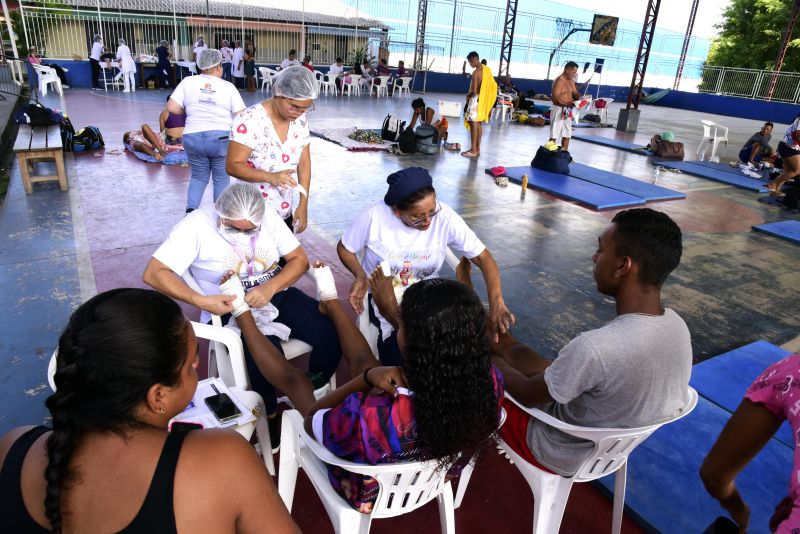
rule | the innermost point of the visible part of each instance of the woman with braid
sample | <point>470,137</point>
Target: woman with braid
<point>127,364</point>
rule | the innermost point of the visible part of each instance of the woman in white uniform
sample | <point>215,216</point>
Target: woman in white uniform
<point>127,66</point>
<point>412,230</point>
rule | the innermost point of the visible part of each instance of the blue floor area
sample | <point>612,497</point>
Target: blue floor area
<point>788,230</point>
<point>612,180</point>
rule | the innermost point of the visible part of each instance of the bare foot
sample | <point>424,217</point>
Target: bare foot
<point>470,154</point>
<point>383,292</point>
<point>463,272</point>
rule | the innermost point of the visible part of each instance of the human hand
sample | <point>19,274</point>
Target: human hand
<point>281,179</point>
<point>387,379</point>
<point>501,318</point>
<point>357,292</point>
<point>300,219</point>
<point>260,296</point>
<point>216,304</point>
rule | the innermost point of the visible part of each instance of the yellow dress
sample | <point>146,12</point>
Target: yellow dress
<point>486,98</point>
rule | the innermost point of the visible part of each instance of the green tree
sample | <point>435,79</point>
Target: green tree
<point>750,34</point>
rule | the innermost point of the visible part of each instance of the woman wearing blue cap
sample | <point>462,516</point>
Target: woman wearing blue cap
<point>411,230</point>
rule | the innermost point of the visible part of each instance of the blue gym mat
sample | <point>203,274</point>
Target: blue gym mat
<point>726,167</point>
<point>592,195</point>
<point>789,230</point>
<point>614,143</point>
<point>649,192</point>
<point>580,125</point>
<point>664,489</point>
<point>724,378</point>
<point>737,180</point>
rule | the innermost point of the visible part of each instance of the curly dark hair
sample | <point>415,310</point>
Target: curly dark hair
<point>115,347</point>
<point>447,366</point>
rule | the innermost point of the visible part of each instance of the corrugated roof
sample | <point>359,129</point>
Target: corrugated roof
<point>326,12</point>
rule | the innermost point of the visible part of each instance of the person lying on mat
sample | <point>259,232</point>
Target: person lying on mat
<point>757,147</point>
<point>412,231</point>
<point>270,144</point>
<point>127,364</point>
<point>446,377</point>
<point>429,117</point>
<point>146,141</point>
<point>770,400</point>
<point>243,233</point>
<point>632,372</point>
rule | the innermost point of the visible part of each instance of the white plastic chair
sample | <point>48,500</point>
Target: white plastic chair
<point>110,72</point>
<point>369,330</point>
<point>328,84</point>
<point>353,86</point>
<point>266,78</point>
<point>233,372</point>
<point>318,75</point>
<point>402,84</point>
<point>602,111</point>
<point>382,87</point>
<point>612,446</point>
<point>503,104</point>
<point>404,487</point>
<point>47,75</point>
<point>712,136</point>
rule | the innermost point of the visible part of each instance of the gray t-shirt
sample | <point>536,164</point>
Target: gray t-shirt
<point>632,372</point>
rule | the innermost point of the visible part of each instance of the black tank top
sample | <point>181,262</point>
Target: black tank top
<point>155,515</point>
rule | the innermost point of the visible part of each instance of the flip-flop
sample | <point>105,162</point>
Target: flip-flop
<point>467,155</point>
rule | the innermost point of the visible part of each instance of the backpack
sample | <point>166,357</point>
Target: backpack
<point>67,135</point>
<point>407,141</point>
<point>552,160</point>
<point>591,117</point>
<point>426,139</point>
<point>88,138</point>
<point>666,149</point>
<point>392,128</point>
<point>36,114</point>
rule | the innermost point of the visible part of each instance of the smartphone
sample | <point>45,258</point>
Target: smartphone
<point>184,426</point>
<point>223,407</point>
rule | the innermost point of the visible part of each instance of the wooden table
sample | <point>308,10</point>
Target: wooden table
<point>37,144</point>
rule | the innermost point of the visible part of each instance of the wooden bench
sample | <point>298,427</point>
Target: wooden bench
<point>37,144</point>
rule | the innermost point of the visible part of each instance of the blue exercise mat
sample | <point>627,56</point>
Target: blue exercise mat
<point>649,192</point>
<point>592,195</point>
<point>738,180</point>
<point>727,168</point>
<point>615,143</point>
<point>579,125</point>
<point>789,230</point>
<point>724,378</point>
<point>665,491</point>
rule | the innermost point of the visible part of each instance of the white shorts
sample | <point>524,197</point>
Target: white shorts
<point>561,122</point>
<point>472,110</point>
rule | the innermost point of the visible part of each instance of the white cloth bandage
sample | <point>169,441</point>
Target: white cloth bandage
<point>233,288</point>
<point>326,285</point>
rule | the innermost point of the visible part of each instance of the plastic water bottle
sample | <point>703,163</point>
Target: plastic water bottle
<point>656,174</point>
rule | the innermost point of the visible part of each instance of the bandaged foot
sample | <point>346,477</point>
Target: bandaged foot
<point>326,285</point>
<point>233,288</point>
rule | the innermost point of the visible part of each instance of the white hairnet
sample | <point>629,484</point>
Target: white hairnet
<point>163,42</point>
<point>97,38</point>
<point>241,201</point>
<point>121,41</point>
<point>295,82</point>
<point>209,58</point>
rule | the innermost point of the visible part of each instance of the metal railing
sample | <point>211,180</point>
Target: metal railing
<point>750,83</point>
<point>14,74</point>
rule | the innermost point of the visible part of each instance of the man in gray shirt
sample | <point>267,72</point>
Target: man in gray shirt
<point>632,372</point>
<point>757,147</point>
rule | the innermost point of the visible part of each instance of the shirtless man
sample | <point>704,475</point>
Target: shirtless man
<point>471,115</point>
<point>563,94</point>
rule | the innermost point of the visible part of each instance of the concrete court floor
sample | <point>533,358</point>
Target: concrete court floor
<point>733,286</point>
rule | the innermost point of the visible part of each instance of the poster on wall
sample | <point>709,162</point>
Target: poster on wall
<point>604,30</point>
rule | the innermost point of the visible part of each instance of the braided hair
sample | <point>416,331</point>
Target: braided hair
<point>114,348</point>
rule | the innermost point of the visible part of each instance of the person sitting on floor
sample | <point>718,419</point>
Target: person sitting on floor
<point>770,400</point>
<point>429,117</point>
<point>126,365</point>
<point>34,59</point>
<point>446,378</point>
<point>757,147</point>
<point>632,372</point>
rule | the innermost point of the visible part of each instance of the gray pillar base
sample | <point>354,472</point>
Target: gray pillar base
<point>628,120</point>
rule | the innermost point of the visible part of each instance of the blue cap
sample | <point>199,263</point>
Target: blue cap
<point>404,183</point>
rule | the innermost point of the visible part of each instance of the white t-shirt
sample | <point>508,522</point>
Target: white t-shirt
<point>227,54</point>
<point>253,128</point>
<point>286,63</point>
<point>209,102</point>
<point>97,51</point>
<point>238,62</point>
<point>196,242</point>
<point>199,50</point>
<point>632,372</point>
<point>413,255</point>
<point>335,70</point>
<point>788,138</point>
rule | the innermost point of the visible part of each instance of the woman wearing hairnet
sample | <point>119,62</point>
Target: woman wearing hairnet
<point>209,103</point>
<point>127,67</point>
<point>270,144</point>
<point>240,233</point>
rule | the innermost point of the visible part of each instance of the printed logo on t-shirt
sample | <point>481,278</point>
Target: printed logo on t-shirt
<point>208,94</point>
<point>242,129</point>
<point>264,265</point>
<point>410,267</point>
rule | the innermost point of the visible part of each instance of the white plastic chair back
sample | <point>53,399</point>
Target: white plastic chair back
<point>404,487</point>
<point>47,76</point>
<point>712,136</point>
<point>382,87</point>
<point>353,86</point>
<point>612,446</point>
<point>266,78</point>
<point>402,84</point>
<point>110,71</point>
<point>328,84</point>
<point>603,111</point>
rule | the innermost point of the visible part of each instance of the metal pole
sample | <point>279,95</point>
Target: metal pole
<point>452,37</point>
<point>175,33</point>
<point>787,36</point>
<point>241,8</point>
<point>100,23</point>
<point>208,25</point>
<point>685,49</point>
<point>303,32</point>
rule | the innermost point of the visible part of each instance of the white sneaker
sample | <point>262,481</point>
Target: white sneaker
<point>326,285</point>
